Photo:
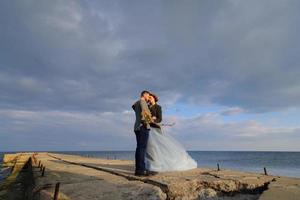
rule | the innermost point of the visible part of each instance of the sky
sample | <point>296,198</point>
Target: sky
<point>226,72</point>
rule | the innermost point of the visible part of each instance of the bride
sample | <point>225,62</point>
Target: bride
<point>163,152</point>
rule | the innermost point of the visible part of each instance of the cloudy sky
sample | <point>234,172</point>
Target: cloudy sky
<point>227,73</point>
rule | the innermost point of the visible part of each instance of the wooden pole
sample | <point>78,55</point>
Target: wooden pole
<point>218,166</point>
<point>265,170</point>
<point>43,172</point>
<point>56,192</point>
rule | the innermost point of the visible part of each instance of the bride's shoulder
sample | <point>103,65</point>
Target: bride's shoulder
<point>158,107</point>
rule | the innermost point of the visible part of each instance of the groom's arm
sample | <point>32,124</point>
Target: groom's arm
<point>144,106</point>
<point>145,113</point>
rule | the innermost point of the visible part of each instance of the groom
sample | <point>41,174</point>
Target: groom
<point>141,129</point>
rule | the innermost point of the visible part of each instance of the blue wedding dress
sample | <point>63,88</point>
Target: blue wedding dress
<point>164,153</point>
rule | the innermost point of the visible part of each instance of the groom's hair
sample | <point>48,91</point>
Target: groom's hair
<point>145,91</point>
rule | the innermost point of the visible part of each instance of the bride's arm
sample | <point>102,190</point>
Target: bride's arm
<point>159,114</point>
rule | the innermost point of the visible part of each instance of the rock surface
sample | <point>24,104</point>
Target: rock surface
<point>79,182</point>
<point>282,188</point>
<point>94,178</point>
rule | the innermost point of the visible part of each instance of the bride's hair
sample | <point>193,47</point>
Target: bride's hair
<point>154,96</point>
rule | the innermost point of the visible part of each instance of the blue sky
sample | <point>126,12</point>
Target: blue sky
<point>227,72</point>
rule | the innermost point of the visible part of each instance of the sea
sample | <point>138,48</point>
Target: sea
<point>276,163</point>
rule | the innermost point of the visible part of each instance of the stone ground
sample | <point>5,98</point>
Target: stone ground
<point>82,183</point>
<point>94,178</point>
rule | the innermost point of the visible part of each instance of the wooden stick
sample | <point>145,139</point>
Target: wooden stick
<point>168,124</point>
<point>265,170</point>
<point>43,172</point>
<point>56,192</point>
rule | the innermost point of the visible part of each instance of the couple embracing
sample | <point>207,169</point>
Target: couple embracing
<point>156,150</point>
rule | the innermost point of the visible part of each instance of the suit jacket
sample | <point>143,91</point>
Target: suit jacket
<point>138,107</point>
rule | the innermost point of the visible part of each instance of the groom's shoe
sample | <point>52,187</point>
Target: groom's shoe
<point>141,173</point>
<point>152,173</point>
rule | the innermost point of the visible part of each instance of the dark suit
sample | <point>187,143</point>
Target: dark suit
<point>142,134</point>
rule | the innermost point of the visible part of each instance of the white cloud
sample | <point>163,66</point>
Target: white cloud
<point>233,111</point>
<point>75,67</point>
<point>212,132</point>
<point>109,130</point>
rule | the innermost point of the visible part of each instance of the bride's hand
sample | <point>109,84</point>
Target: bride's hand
<point>155,125</point>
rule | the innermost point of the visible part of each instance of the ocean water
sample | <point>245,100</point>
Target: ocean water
<point>277,163</point>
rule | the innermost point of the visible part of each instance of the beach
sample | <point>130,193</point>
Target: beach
<point>94,178</point>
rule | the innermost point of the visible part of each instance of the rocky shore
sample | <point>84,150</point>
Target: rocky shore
<point>91,178</point>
